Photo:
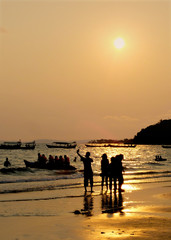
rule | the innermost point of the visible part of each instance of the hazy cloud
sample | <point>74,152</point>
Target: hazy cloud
<point>121,118</point>
<point>3,30</point>
<point>166,115</point>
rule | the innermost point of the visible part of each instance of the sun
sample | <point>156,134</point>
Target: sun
<point>119,43</point>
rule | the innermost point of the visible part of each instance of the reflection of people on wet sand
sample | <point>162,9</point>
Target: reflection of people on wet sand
<point>7,163</point>
<point>88,173</point>
<point>88,205</point>
<point>115,171</point>
<point>112,205</point>
<point>106,202</point>
<point>104,170</point>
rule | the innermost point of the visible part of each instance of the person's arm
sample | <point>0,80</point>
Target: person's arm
<point>79,153</point>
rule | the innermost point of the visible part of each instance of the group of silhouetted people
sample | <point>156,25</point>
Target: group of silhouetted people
<point>158,157</point>
<point>53,161</point>
<point>112,172</point>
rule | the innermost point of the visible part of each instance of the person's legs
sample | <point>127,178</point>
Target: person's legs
<point>85,183</point>
<point>110,183</point>
<point>115,186</point>
<point>102,182</point>
<point>91,183</point>
<point>106,182</point>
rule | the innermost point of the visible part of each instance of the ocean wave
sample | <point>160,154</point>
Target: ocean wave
<point>46,198</point>
<point>15,170</point>
<point>146,172</point>
<point>145,178</point>
<point>41,188</point>
<point>156,163</point>
<point>38,178</point>
<point>55,176</point>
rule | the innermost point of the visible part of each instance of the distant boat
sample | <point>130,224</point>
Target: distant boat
<point>18,145</point>
<point>97,145</point>
<point>166,146</point>
<point>159,158</point>
<point>28,145</point>
<point>122,145</point>
<point>110,145</point>
<point>62,145</point>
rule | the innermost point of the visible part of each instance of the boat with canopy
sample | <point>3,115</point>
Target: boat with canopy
<point>62,145</point>
<point>18,145</point>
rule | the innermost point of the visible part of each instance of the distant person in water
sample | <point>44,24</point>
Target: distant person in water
<point>104,170</point>
<point>7,163</point>
<point>88,173</point>
<point>116,172</point>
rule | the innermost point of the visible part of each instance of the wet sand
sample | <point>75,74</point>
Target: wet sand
<point>143,211</point>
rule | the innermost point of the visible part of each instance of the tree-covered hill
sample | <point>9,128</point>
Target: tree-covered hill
<point>159,133</point>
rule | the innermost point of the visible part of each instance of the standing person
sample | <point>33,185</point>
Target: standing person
<point>104,169</point>
<point>116,172</point>
<point>88,173</point>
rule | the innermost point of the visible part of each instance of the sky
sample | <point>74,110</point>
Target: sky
<point>62,77</point>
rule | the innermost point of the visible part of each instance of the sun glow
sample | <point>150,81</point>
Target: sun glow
<point>119,43</point>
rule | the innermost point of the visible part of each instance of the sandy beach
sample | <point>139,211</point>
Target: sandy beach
<point>84,86</point>
<point>142,211</point>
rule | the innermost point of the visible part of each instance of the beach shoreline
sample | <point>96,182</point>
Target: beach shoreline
<point>143,211</point>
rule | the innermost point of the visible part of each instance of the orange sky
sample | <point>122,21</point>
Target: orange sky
<point>62,78</point>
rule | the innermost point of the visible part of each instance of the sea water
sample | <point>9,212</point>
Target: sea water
<point>139,164</point>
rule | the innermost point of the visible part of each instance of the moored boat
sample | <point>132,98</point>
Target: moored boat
<point>97,145</point>
<point>28,145</point>
<point>122,145</point>
<point>111,145</point>
<point>166,146</point>
<point>62,145</point>
<point>18,145</point>
<point>11,145</point>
